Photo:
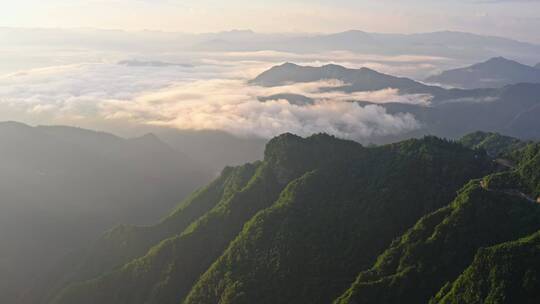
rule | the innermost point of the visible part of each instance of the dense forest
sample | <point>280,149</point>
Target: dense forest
<point>325,220</point>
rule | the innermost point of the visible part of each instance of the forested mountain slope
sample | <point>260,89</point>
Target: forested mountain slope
<point>440,246</point>
<point>310,203</point>
<point>499,208</point>
<point>506,273</point>
<point>496,145</point>
<point>126,242</point>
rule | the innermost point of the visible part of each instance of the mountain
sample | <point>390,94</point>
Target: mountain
<point>309,203</point>
<point>322,219</point>
<point>537,66</point>
<point>62,186</point>
<point>447,44</point>
<point>439,248</point>
<point>494,73</point>
<point>493,143</point>
<point>124,243</point>
<point>354,80</point>
<point>505,273</point>
<point>511,110</point>
<point>294,99</point>
<point>357,80</point>
<point>213,148</point>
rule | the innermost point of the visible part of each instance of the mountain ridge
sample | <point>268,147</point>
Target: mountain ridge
<point>170,270</point>
<point>493,73</point>
<point>441,246</point>
<point>451,113</point>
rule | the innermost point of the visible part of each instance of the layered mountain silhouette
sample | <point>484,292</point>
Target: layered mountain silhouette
<point>494,73</point>
<point>448,44</point>
<point>62,187</point>
<point>214,149</point>
<point>509,110</point>
<point>355,80</point>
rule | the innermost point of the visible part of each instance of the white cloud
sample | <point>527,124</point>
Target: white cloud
<point>204,97</point>
<point>232,106</point>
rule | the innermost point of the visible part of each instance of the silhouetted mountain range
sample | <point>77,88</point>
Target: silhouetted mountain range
<point>444,44</point>
<point>494,73</point>
<point>212,148</point>
<point>363,79</point>
<point>356,80</point>
<point>451,44</point>
<point>62,187</point>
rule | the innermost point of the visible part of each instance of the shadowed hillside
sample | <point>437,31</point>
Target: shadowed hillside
<point>62,187</point>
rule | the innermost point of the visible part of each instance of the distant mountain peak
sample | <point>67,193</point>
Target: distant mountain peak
<point>354,32</point>
<point>150,136</point>
<point>13,124</point>
<point>500,60</point>
<point>364,69</point>
<point>150,140</point>
<point>333,66</point>
<point>355,80</point>
<point>288,65</point>
<point>290,72</point>
<point>494,73</point>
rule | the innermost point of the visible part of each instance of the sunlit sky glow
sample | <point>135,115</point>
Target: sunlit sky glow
<point>512,18</point>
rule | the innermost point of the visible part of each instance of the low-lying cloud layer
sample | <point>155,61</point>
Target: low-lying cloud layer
<point>232,106</point>
<point>206,96</point>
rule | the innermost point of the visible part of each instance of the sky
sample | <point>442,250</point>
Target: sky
<point>512,18</point>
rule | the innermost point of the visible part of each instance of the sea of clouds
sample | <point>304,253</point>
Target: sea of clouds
<point>213,93</point>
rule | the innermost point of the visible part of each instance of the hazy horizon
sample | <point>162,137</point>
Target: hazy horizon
<point>520,20</point>
<point>246,30</point>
